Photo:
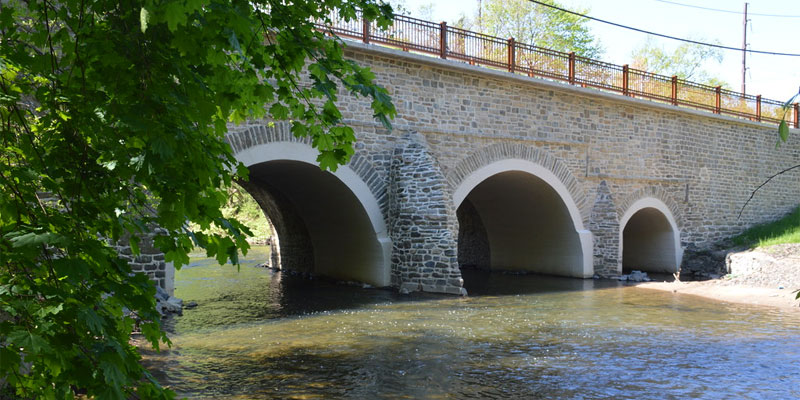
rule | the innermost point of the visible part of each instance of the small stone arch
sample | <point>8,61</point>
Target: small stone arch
<point>656,193</point>
<point>247,136</point>
<point>505,151</point>
<point>659,234</point>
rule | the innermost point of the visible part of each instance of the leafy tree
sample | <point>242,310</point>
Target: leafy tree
<point>686,61</point>
<point>541,26</point>
<point>118,110</point>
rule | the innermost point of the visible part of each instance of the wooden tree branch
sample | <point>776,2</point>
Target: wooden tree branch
<point>762,185</point>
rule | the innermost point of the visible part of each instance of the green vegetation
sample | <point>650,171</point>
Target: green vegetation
<point>784,230</point>
<point>538,25</point>
<point>686,61</point>
<point>243,208</point>
<point>112,122</point>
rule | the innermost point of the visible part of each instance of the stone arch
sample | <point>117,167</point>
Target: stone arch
<point>247,136</point>
<point>310,233</point>
<point>505,151</point>
<point>516,164</point>
<point>652,233</point>
<point>656,193</point>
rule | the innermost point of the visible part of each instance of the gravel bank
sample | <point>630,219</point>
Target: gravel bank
<point>768,267</point>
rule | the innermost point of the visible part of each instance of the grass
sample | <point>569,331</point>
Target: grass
<point>784,230</point>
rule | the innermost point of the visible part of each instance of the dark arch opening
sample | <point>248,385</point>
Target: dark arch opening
<point>515,221</point>
<point>321,225</point>
<point>648,243</point>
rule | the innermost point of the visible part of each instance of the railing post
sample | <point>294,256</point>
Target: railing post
<point>675,90</point>
<point>572,67</point>
<point>512,60</point>
<point>365,30</point>
<point>625,89</point>
<point>797,115</point>
<point>443,39</point>
<point>718,101</point>
<point>758,108</point>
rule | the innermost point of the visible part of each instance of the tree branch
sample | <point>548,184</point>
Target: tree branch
<point>762,185</point>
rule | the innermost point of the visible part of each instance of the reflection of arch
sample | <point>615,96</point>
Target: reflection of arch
<point>649,237</point>
<point>283,179</point>
<point>531,181</point>
<point>505,151</point>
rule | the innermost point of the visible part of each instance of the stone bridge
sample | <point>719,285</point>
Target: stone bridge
<point>498,171</point>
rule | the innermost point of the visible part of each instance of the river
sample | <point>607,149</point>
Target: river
<point>258,334</point>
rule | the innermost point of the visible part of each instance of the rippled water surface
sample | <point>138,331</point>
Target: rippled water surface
<point>258,334</point>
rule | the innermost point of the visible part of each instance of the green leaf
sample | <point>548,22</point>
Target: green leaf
<point>33,239</point>
<point>174,14</point>
<point>30,342</point>
<point>279,111</point>
<point>328,161</point>
<point>783,132</point>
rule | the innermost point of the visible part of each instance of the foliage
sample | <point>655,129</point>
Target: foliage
<point>243,208</point>
<point>784,230</point>
<point>541,26</point>
<point>686,61</point>
<point>783,127</point>
<point>118,111</point>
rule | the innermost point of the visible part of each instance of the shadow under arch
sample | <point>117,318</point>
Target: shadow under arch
<point>526,219</point>
<point>328,223</point>
<point>649,238</point>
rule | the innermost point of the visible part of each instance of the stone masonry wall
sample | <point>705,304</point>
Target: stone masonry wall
<point>422,221</point>
<point>150,261</point>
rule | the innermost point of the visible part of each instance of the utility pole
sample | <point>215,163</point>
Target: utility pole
<point>744,49</point>
<point>480,19</point>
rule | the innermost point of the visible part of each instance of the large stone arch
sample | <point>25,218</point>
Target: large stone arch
<point>505,151</point>
<point>653,234</point>
<point>534,167</point>
<point>246,136</point>
<point>356,189</point>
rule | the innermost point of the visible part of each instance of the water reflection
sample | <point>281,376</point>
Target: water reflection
<point>257,334</point>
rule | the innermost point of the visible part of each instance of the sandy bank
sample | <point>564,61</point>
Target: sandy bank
<point>714,289</point>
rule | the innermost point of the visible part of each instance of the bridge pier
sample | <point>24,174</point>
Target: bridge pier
<point>604,225</point>
<point>423,223</point>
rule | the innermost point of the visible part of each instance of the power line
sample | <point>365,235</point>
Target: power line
<point>726,11</point>
<point>719,46</point>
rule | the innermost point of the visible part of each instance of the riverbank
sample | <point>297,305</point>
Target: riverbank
<point>722,291</point>
<point>764,276</point>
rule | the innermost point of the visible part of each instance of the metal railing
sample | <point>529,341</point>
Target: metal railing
<point>439,39</point>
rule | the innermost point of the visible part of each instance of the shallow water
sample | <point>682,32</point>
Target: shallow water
<point>258,334</point>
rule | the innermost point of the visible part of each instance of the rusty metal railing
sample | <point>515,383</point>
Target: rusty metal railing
<point>439,39</point>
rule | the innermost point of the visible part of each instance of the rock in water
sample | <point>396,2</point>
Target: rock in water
<point>161,294</point>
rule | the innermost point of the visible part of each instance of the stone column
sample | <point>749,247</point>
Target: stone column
<point>423,223</point>
<point>604,224</point>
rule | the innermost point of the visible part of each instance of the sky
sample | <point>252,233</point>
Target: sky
<point>774,77</point>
